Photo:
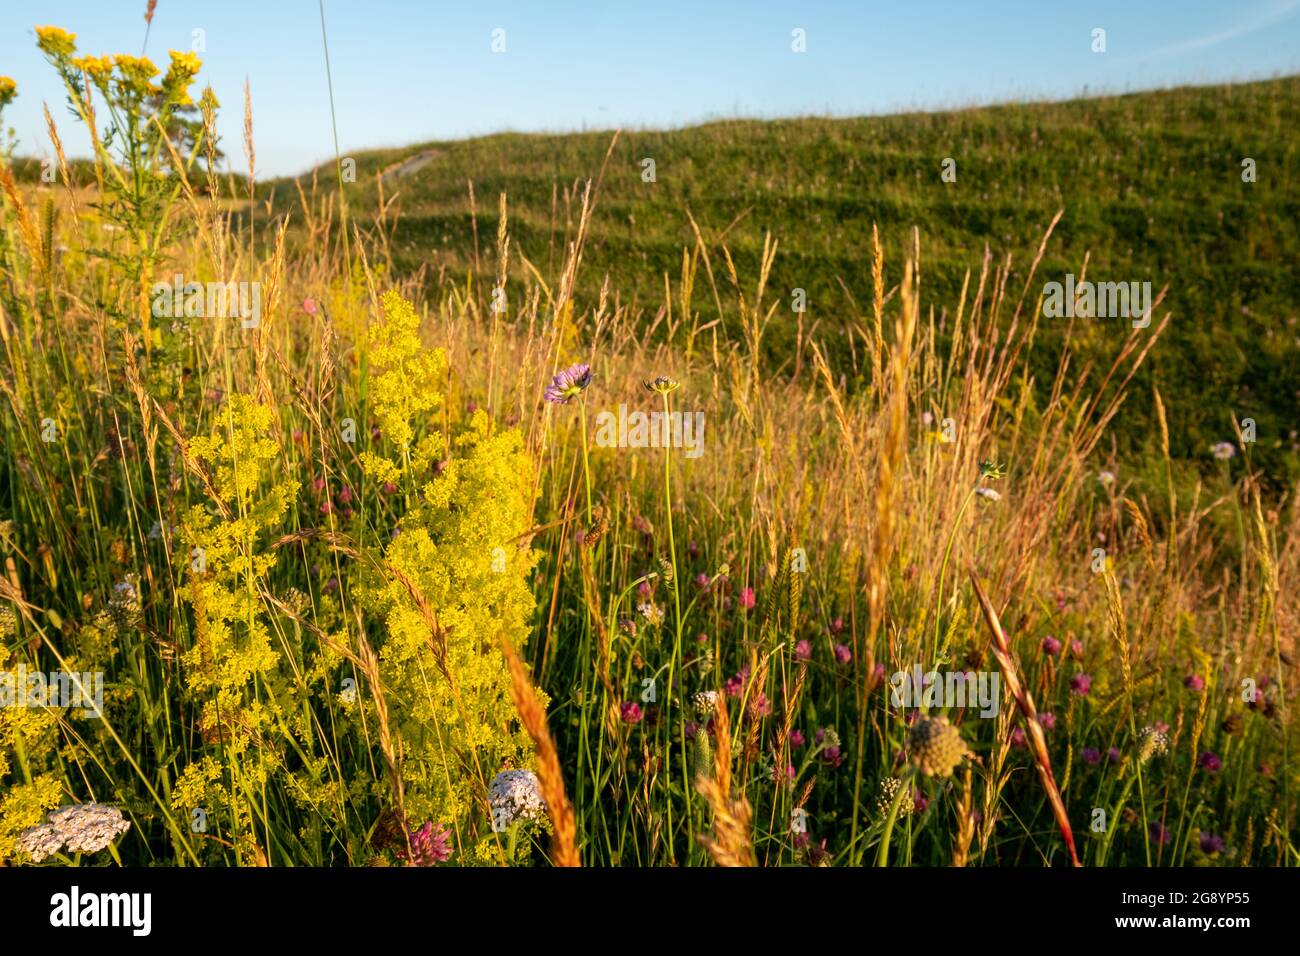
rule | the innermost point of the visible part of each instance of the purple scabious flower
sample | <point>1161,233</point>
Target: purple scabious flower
<point>1018,737</point>
<point>1195,683</point>
<point>1081,684</point>
<point>1091,755</point>
<point>1210,761</point>
<point>803,650</point>
<point>630,711</point>
<point>568,384</point>
<point>429,846</point>
<point>747,599</point>
<point>1047,720</point>
<point>1210,843</point>
<point>797,738</point>
<point>843,654</point>
<point>1051,645</point>
<point>1113,755</point>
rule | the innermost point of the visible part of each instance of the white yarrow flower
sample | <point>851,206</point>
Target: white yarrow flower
<point>988,493</point>
<point>515,795</point>
<point>40,842</point>
<point>88,827</point>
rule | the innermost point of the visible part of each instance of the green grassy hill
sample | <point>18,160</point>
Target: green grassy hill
<point>1151,185</point>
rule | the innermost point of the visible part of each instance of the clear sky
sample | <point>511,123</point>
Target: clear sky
<point>411,70</point>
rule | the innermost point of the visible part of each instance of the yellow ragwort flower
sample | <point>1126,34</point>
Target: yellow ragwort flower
<point>55,41</point>
<point>135,74</point>
<point>180,74</point>
<point>8,90</point>
<point>99,68</point>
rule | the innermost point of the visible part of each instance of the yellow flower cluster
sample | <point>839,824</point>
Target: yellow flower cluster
<point>231,666</point>
<point>56,42</point>
<point>8,90</point>
<point>175,85</point>
<point>98,68</point>
<point>24,806</point>
<point>28,743</point>
<point>408,380</point>
<point>135,75</point>
<point>455,549</point>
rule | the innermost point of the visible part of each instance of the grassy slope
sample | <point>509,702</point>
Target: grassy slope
<point>1150,183</point>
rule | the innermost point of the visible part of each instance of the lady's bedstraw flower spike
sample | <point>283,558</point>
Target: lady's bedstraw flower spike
<point>568,384</point>
<point>663,385</point>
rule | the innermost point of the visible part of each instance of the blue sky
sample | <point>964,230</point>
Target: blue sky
<point>411,70</point>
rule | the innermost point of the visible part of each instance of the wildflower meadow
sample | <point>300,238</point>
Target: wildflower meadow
<point>309,558</point>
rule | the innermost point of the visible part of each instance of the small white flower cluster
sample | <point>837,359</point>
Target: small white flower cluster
<point>653,614</point>
<point>83,828</point>
<point>1152,742</point>
<point>515,795</point>
<point>988,493</point>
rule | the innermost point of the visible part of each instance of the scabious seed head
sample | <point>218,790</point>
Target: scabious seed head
<point>936,746</point>
<point>889,787</point>
<point>705,701</point>
<point>662,385</point>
